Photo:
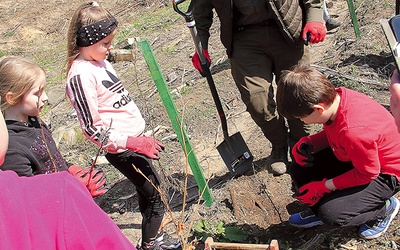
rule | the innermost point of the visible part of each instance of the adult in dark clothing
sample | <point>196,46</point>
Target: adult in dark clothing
<point>262,38</point>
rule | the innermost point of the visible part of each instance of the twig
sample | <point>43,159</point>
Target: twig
<point>329,71</point>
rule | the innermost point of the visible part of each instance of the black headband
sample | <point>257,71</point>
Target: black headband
<point>92,33</point>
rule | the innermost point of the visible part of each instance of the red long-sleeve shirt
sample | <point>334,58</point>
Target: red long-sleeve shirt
<point>363,133</point>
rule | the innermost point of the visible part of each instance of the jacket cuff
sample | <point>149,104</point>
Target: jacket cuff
<point>315,15</point>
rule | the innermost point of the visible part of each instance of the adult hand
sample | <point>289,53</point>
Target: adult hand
<point>94,181</point>
<point>302,152</point>
<point>312,192</point>
<point>316,31</point>
<point>147,146</point>
<point>197,63</point>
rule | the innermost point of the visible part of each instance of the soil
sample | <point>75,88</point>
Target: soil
<point>257,202</point>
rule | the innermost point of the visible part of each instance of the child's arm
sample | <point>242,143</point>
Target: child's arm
<point>319,141</point>
<point>363,153</point>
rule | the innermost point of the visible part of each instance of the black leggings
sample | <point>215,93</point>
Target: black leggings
<point>351,206</point>
<point>150,202</point>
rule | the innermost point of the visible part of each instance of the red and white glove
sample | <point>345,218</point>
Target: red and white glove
<point>316,31</point>
<point>94,181</point>
<point>302,152</point>
<point>144,145</point>
<point>197,63</point>
<point>312,192</point>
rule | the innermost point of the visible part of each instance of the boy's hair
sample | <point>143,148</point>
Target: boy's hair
<point>300,88</point>
<point>86,14</point>
<point>17,75</point>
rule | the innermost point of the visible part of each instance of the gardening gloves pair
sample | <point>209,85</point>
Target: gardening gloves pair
<point>302,152</point>
<point>312,192</point>
<point>93,179</point>
<point>144,145</point>
<point>197,63</point>
<point>313,32</point>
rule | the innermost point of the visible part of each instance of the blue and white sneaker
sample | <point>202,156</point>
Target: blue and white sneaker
<point>376,228</point>
<point>305,219</point>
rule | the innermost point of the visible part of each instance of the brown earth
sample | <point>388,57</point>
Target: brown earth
<point>258,202</point>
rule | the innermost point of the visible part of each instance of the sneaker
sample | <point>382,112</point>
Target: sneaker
<point>161,242</point>
<point>305,219</point>
<point>279,160</point>
<point>376,228</point>
<point>165,241</point>
<point>332,24</point>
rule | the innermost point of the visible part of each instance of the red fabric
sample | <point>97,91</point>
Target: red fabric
<point>319,141</point>
<point>365,134</point>
<point>317,32</point>
<point>312,192</point>
<point>53,211</point>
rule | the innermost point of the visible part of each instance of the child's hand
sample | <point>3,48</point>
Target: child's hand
<point>147,146</point>
<point>312,192</point>
<point>94,181</point>
<point>302,152</point>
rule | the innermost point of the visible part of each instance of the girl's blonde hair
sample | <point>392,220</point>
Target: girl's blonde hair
<point>17,76</point>
<point>86,14</point>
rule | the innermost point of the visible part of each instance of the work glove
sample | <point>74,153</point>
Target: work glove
<point>314,32</point>
<point>302,152</point>
<point>312,192</point>
<point>197,63</point>
<point>94,181</point>
<point>144,145</point>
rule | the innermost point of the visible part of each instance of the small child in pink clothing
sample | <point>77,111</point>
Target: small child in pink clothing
<point>349,172</point>
<point>109,116</point>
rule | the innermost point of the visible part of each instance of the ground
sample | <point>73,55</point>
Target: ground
<point>257,202</point>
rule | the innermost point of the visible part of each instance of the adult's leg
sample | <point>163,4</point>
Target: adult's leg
<point>285,57</point>
<point>251,68</point>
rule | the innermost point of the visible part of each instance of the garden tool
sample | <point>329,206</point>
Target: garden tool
<point>233,149</point>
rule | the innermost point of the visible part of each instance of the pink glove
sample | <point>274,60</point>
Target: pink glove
<point>312,192</point>
<point>302,152</point>
<point>94,181</point>
<point>144,145</point>
<point>197,64</point>
<point>316,30</point>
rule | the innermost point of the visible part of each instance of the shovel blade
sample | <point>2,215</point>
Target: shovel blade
<point>236,154</point>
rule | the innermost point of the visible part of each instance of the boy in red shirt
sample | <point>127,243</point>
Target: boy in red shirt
<point>348,173</point>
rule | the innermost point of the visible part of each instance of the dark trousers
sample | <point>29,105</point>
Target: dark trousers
<point>351,206</point>
<point>258,57</point>
<point>150,202</point>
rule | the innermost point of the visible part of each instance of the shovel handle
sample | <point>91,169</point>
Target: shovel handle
<point>190,22</point>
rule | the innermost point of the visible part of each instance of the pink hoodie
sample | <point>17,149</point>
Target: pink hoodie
<point>53,211</point>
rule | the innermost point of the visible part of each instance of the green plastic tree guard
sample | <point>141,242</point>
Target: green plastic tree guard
<point>175,120</point>
<point>353,18</point>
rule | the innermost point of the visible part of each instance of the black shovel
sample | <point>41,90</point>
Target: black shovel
<point>233,149</point>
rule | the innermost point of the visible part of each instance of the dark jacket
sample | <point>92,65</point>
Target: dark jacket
<point>290,15</point>
<point>28,154</point>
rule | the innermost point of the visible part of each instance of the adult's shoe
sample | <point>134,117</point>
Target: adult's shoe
<point>279,160</point>
<point>331,24</point>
